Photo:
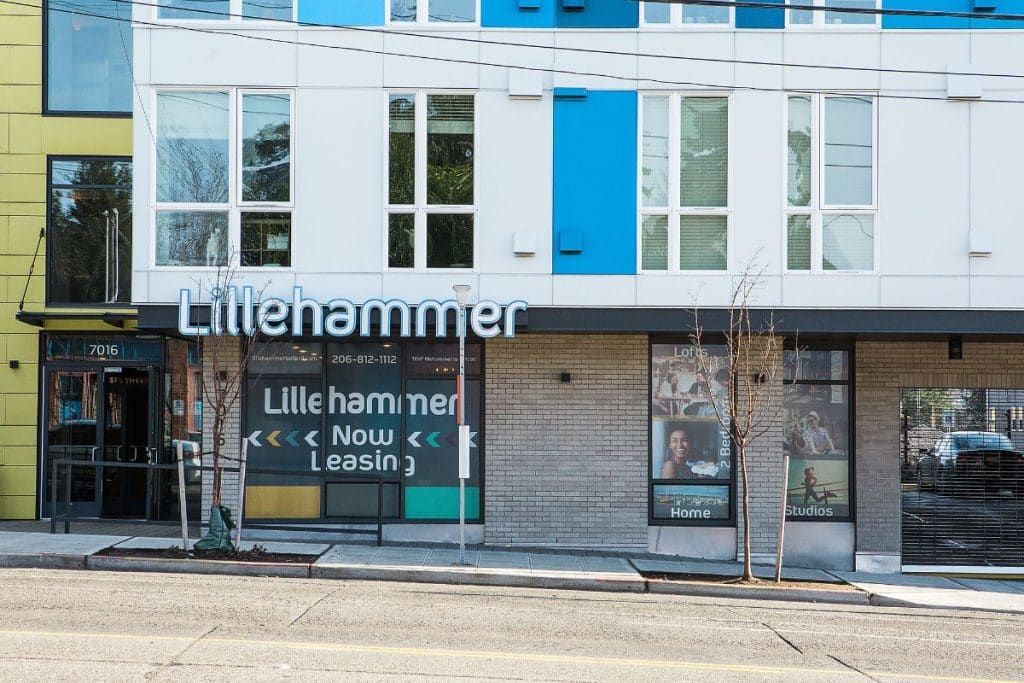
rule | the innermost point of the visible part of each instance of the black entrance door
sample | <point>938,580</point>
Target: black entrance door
<point>127,424</point>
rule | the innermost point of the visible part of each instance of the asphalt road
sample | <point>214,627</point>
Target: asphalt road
<point>66,625</point>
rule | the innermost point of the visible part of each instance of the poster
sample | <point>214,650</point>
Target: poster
<point>818,489</point>
<point>691,502</point>
<point>687,439</point>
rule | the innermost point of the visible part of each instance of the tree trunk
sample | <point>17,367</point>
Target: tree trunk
<point>748,572</point>
<point>217,428</point>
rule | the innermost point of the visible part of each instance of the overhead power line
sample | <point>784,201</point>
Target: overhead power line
<point>570,49</point>
<point>634,79</point>
<point>883,11</point>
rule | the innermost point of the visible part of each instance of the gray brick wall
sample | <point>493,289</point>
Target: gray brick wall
<point>566,464</point>
<point>764,462</point>
<point>882,369</point>
<point>222,353</point>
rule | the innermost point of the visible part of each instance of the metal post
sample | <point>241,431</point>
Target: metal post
<point>462,421</point>
<point>241,493</point>
<point>782,520</point>
<point>53,497</point>
<point>380,512</point>
<point>181,496</point>
<point>67,498</point>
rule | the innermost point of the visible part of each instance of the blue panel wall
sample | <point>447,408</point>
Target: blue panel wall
<point>594,200</point>
<point>896,21</point>
<point>752,17</point>
<point>999,7</point>
<point>517,13</point>
<point>598,14</point>
<point>342,12</point>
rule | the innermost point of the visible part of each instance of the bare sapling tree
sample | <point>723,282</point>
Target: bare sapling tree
<point>752,407</point>
<point>226,359</point>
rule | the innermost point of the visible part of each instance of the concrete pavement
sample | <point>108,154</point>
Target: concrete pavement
<point>581,570</point>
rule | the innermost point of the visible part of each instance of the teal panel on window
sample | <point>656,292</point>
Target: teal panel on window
<point>440,502</point>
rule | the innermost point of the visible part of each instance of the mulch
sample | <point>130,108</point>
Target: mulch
<point>258,554</point>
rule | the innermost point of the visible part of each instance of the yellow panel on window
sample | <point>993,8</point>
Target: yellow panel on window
<point>275,502</point>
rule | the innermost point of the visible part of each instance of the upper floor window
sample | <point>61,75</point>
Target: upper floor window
<point>830,198</point>
<point>433,11</point>
<point>88,57</point>
<point>431,208</point>
<point>681,14</point>
<point>823,17</point>
<point>89,233</point>
<point>205,211</point>
<point>684,183</point>
<point>214,10</point>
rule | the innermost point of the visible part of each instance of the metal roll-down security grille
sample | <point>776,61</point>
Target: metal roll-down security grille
<point>962,477</point>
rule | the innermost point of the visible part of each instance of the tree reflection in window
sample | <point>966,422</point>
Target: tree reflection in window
<point>90,232</point>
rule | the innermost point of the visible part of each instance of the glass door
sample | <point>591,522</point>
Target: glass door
<point>126,438</point>
<point>72,433</point>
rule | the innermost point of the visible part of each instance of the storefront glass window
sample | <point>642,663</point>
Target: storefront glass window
<point>816,434</point>
<point>691,454</point>
<point>90,232</point>
<point>352,414</point>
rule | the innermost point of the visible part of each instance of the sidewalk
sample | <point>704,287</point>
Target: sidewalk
<point>540,568</point>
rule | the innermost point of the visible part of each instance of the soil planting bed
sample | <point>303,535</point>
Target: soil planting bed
<point>787,584</point>
<point>257,554</point>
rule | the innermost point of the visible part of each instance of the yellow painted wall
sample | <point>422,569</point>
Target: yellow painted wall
<point>26,138</point>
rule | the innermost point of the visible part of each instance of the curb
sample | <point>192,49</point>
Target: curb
<point>658,586</point>
<point>183,566</point>
<point>43,561</point>
<point>597,582</point>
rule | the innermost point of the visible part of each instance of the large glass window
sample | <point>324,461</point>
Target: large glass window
<point>433,11</point>
<point>691,454</point>
<point>431,210</point>
<point>199,199</point>
<point>89,57</point>
<point>681,14</point>
<point>817,435</point>
<point>208,10</point>
<point>347,415</point>
<point>684,183</point>
<point>830,190</point>
<point>90,232</point>
<point>823,17</point>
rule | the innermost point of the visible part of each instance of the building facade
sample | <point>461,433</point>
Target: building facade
<point>612,165</point>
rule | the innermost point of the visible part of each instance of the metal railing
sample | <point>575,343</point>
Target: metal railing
<point>152,467</point>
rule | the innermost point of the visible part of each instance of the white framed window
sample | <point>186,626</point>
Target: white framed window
<point>433,12</point>
<point>223,187</point>
<point>684,183</point>
<point>831,183</point>
<point>823,17</point>
<point>664,14</point>
<point>430,209</point>
<point>222,10</point>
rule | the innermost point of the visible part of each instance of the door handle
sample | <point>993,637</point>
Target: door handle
<point>92,453</point>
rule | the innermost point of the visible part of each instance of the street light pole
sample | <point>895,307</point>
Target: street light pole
<point>462,296</point>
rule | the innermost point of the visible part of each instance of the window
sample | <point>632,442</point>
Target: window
<point>384,404</point>
<point>89,233</point>
<point>830,197</point>
<point>805,17</point>
<point>431,192</point>
<point>88,58</point>
<point>691,472</point>
<point>816,433</point>
<point>433,11</point>
<point>199,202</point>
<point>220,10</point>
<point>684,183</point>
<point>681,14</point>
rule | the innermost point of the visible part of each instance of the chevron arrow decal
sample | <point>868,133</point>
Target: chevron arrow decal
<point>432,439</point>
<point>253,440</point>
<point>290,439</point>
<point>311,438</point>
<point>412,439</point>
<point>272,438</point>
